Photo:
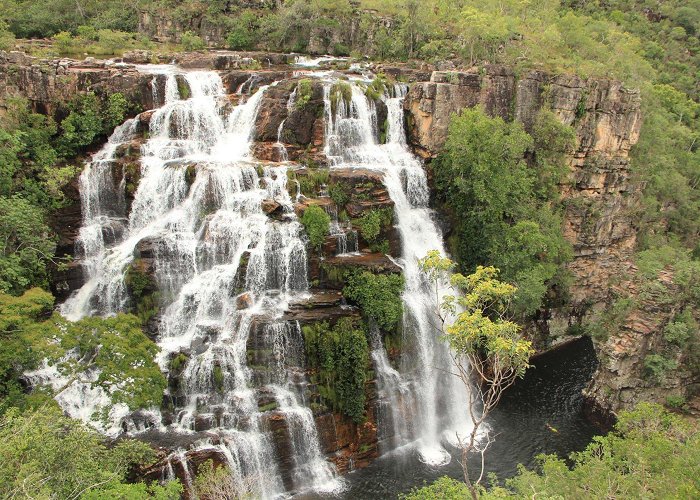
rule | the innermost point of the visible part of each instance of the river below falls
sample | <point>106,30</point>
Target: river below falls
<point>549,397</point>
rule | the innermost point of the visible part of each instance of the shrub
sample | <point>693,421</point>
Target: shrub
<point>378,295</point>
<point>681,329</point>
<point>376,89</point>
<point>317,224</point>
<point>372,222</point>
<point>64,42</point>
<point>657,366</point>
<point>191,41</point>
<point>7,38</point>
<point>304,93</point>
<point>338,194</point>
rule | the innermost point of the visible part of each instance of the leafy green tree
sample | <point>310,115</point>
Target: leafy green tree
<point>444,488</point>
<point>16,355</point>
<point>116,347</point>
<point>488,350</point>
<point>651,453</point>
<point>243,31</point>
<point>82,125</point>
<point>191,41</point>
<point>46,455</point>
<point>26,245</point>
<point>507,211</point>
<point>372,222</point>
<point>317,224</point>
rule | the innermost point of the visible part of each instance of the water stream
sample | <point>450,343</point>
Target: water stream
<point>432,401</point>
<point>200,232</point>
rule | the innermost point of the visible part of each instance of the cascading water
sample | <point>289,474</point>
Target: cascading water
<point>222,267</point>
<point>423,387</point>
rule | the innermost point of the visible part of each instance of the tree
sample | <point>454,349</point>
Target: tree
<point>488,350</point>
<point>378,295</point>
<point>16,356</point>
<point>26,245</point>
<point>651,453</point>
<point>506,211</point>
<point>115,347</point>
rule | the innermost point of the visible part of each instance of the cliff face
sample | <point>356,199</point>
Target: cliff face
<point>598,193</point>
<point>600,198</point>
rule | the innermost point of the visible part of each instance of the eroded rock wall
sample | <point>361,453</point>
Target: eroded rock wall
<point>599,194</point>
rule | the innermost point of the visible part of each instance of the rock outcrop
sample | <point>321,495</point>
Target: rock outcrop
<point>599,194</point>
<point>50,83</point>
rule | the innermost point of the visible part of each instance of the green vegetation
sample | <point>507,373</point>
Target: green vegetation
<point>378,295</point>
<point>372,222</point>
<point>339,194</point>
<point>340,92</point>
<point>35,156</point>
<point>7,38</point>
<point>317,224</point>
<point>651,454</point>
<point>44,454</point>
<point>27,247</point>
<point>377,87</point>
<point>27,19</point>
<point>217,482</point>
<point>103,42</point>
<point>339,357</point>
<point>507,210</point>
<point>115,346</point>
<point>191,41</point>
<point>304,92</point>
<point>243,32</point>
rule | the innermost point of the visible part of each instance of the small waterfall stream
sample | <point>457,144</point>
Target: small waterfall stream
<point>422,387</point>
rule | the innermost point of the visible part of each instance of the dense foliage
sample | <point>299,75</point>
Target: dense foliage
<point>650,454</point>
<point>35,157</point>
<point>339,358</point>
<point>111,353</point>
<point>505,207</point>
<point>46,455</point>
<point>378,295</point>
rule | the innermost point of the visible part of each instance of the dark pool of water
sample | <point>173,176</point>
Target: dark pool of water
<point>549,397</point>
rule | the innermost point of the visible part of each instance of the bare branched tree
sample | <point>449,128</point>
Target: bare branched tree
<point>487,348</point>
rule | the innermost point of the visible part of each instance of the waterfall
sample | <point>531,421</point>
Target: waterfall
<point>223,268</point>
<point>436,401</point>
